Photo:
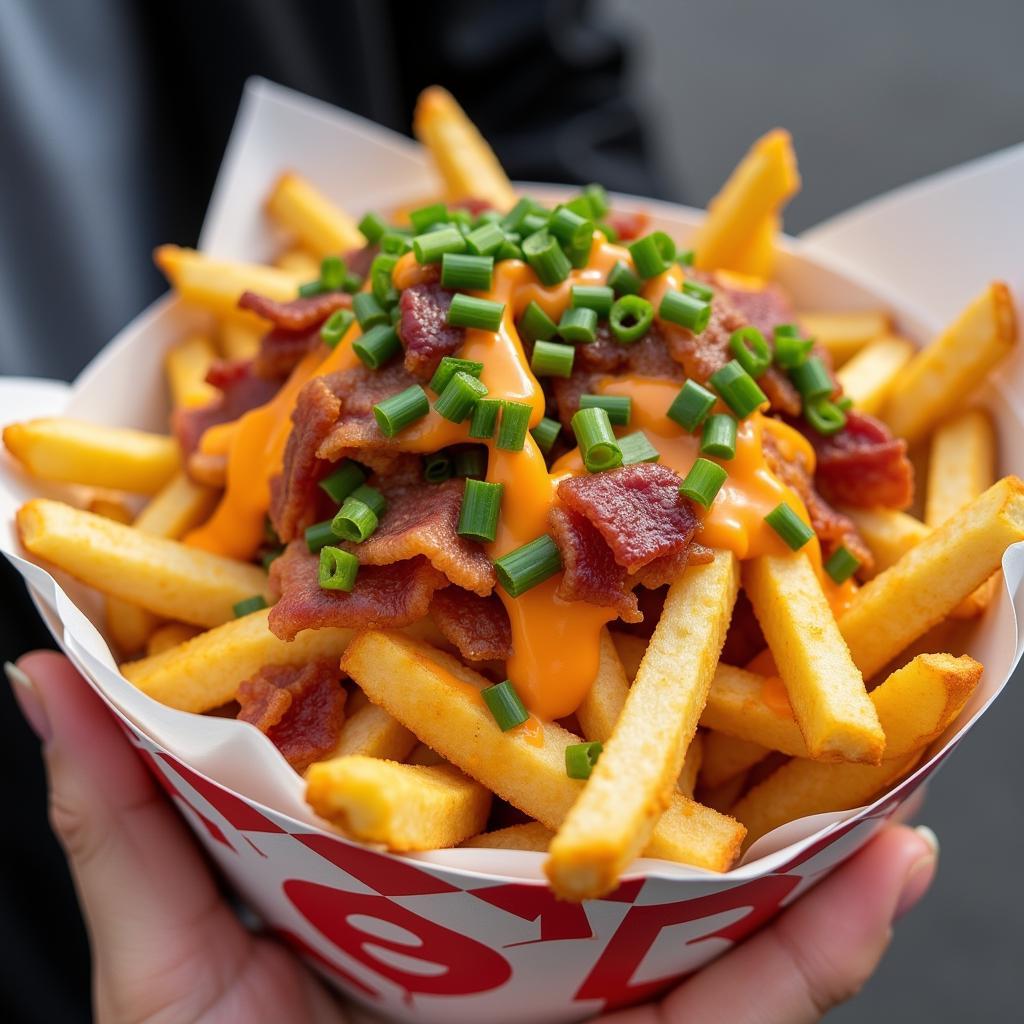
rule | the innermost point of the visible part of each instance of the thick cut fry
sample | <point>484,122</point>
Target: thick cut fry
<point>320,225</point>
<point>603,704</point>
<point>438,698</point>
<point>725,757</point>
<point>110,508</point>
<point>889,534</point>
<point>631,650</point>
<point>531,836</point>
<point>403,806</point>
<point>825,688</point>
<point>162,576</point>
<point>753,708</point>
<point>128,625</point>
<point>869,375</point>
<point>467,165</point>
<point>169,635</point>
<point>611,822</point>
<point>371,732</point>
<point>757,258</point>
<point>179,506</point>
<point>187,365</point>
<point>687,781</point>
<point>239,339</point>
<point>939,377</point>
<point>75,452</point>
<point>761,184</point>
<point>933,577</point>
<point>845,334</point>
<point>299,261</point>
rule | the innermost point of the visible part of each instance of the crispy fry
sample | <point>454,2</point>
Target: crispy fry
<point>169,635</point>
<point>760,185</point>
<point>845,334</point>
<point>299,261</point>
<point>468,166</point>
<point>687,781</point>
<point>427,691</point>
<point>609,825</point>
<point>757,257</point>
<point>933,577</point>
<point>403,806</point>
<point>187,365</point>
<point>753,708</point>
<point>75,452</point>
<point>939,377</point>
<point>531,836</point>
<point>128,625</point>
<point>724,757</point>
<point>371,732</point>
<point>869,375</point>
<point>320,225</point>
<point>888,533</point>
<point>179,506</point>
<point>825,688</point>
<point>630,650</point>
<point>110,508</point>
<point>603,703</point>
<point>162,576</point>
<point>240,339</point>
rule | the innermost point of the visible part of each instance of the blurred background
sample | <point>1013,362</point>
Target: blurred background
<point>113,118</point>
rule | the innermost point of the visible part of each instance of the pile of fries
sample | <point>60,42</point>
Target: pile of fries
<point>697,758</point>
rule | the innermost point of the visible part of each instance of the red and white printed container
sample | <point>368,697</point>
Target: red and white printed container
<point>464,935</point>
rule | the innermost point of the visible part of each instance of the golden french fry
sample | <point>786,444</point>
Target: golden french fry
<point>845,334</point>
<point>319,224</point>
<point>869,375</point>
<point>301,262</point>
<point>438,698</point>
<point>611,822</point>
<point>179,506</point>
<point>687,781</point>
<point>403,806</point>
<point>128,625</point>
<point>240,339</point>
<point>888,534</point>
<point>110,508</point>
<point>824,685</point>
<point>724,757</point>
<point>76,452</point>
<point>630,650</point>
<point>760,185</point>
<point>170,634</point>
<point>162,576</point>
<point>603,703</point>
<point>187,365</point>
<point>943,373</point>
<point>751,708</point>
<point>933,577</point>
<point>531,836</point>
<point>371,732</point>
<point>757,258</point>
<point>467,165</point>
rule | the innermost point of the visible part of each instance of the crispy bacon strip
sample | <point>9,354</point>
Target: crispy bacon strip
<point>424,329</point>
<point>298,314</point>
<point>477,626</point>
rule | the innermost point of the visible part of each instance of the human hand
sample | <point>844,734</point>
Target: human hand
<point>167,948</point>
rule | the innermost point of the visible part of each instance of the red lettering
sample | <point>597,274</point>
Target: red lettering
<point>558,920</point>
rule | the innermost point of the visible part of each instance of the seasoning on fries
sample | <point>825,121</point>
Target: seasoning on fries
<point>457,504</point>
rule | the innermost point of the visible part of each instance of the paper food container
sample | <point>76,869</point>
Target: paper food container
<point>468,935</point>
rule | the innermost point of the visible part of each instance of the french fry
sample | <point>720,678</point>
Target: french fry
<point>240,339</point>
<point>319,224</point>
<point>687,781</point>
<point>177,508</point>
<point>600,708</point>
<point>187,365</point>
<point>467,164</point>
<point>403,806</point>
<point>170,634</point>
<point>757,258</point>
<point>747,706</point>
<point>888,534</point>
<point>110,508</point>
<point>630,650</point>
<point>869,375</point>
<point>438,698</point>
<point>933,577</point>
<point>845,334</point>
<point>371,732</point>
<point>824,685</point>
<point>611,822</point>
<point>162,576</point>
<point>531,836</point>
<point>76,452</point>
<point>422,754</point>
<point>299,261</point>
<point>725,794</point>
<point>725,757</point>
<point>760,185</point>
<point>938,378</point>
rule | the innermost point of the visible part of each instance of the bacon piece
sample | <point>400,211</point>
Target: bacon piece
<point>297,314</point>
<point>384,597</point>
<point>762,308</point>
<point>360,260</point>
<point>628,225</point>
<point>567,392</point>
<point>477,626</point>
<point>299,707</point>
<point>424,328</point>
<point>669,568</point>
<point>637,509</point>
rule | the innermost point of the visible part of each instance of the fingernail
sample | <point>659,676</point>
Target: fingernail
<point>920,875</point>
<point>28,699</point>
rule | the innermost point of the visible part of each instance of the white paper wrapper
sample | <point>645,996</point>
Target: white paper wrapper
<point>457,934</point>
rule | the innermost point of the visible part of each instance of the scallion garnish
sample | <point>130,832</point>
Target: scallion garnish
<point>596,439</point>
<point>630,319</point>
<point>636,447</point>
<point>536,325</point>
<point>790,349</point>
<point>580,759</point>
<point>525,567</point>
<point>841,564</point>
<point>789,526</point>
<point>354,521</point>
<point>470,461</point>
<point>737,388</point>
<point>398,411</point>
<point>685,257</point>
<point>598,297</point>
<point>485,418</point>
<point>652,254</point>
<point>504,704</point>
<point>461,270</point>
<point>515,421</point>
<point>333,272</point>
<point>337,570</point>
<point>310,288</point>
<point>469,311</point>
<point>432,245</point>
<point>437,467</point>
<point>377,346</point>
<point>542,251</point>
<point>691,406</point>
<point>318,535</point>
<point>824,416</point>
<point>618,407</point>
<point>699,290</point>
<point>427,216</point>
<point>686,311</point>
<point>249,605</point>
<point>448,367</point>
<point>372,226</point>
<point>812,379</point>
<point>549,359</point>
<point>546,433</point>
<point>369,312</point>
<point>336,326</point>
<point>719,436</point>
<point>624,280</point>
<point>343,480</point>
<point>703,482</point>
<point>481,506</point>
<point>460,394</point>
<point>578,325</point>
<point>751,350</point>
<point>485,240</point>
<point>371,497</point>
<point>569,227</point>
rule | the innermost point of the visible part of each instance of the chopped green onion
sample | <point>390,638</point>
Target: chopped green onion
<point>624,280</point>
<point>598,297</point>
<point>790,350</point>
<point>719,436</point>
<point>310,288</point>
<point>427,216</point>
<point>631,318</point>
<point>394,243</point>
<point>841,565</point>
<point>448,367</point>
<point>546,433</point>
<point>824,416</point>
<point>395,315</point>
<point>485,418</point>
<point>462,219</point>
<point>580,759</point>
<point>812,379</point>
<point>336,327</point>
<point>372,226</point>
<point>508,250</point>
<point>542,251</point>
<point>637,448</point>
<point>369,312</point>
<point>685,257</point>
<point>460,394</point>
<point>381,284</point>
<point>570,228</point>
<point>398,411</point>
<point>534,222</point>
<point>249,605</point>
<point>432,245</point>
<point>652,254</point>
<point>691,406</point>
<point>481,505</point>
<point>471,273</point>
<point>699,290</point>
<point>598,444</point>
<point>343,480</point>
<point>844,403</point>
<point>377,346</point>
<point>536,325</point>
<point>371,497</point>
<point>318,535</point>
<point>485,240</point>
<point>513,220</point>
<point>578,325</point>
<point>437,468</point>
<point>737,388</point>
<point>703,482</point>
<point>686,311</point>
<point>505,705</point>
<point>525,567</point>
<point>786,331</point>
<point>598,199</point>
<point>354,521</point>
<point>468,311</point>
<point>337,570</point>
<point>515,421</point>
<point>751,350</point>
<point>470,461</point>
<point>618,407</point>
<point>333,272</point>
<point>269,557</point>
<point>607,230</point>
<point>789,526</point>
<point>549,359</point>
